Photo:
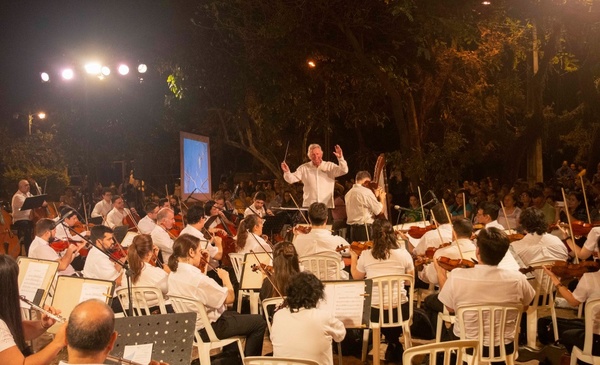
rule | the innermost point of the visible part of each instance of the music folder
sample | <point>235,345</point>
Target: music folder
<point>33,202</point>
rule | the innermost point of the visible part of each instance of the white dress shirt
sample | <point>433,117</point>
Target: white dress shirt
<point>432,238</point>
<point>99,266</point>
<point>101,209</point>
<point>41,249</point>
<point>17,202</point>
<point>162,240</point>
<point>146,225</point>
<point>361,205</point>
<point>318,181</point>
<point>535,248</point>
<point>115,217</point>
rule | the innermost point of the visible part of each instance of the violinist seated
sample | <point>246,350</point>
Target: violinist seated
<point>98,265</point>
<point>386,257</point>
<point>227,217</point>
<point>40,247</point>
<point>250,238</point>
<point>165,218</point>
<point>432,238</point>
<point>64,230</point>
<point>362,205</point>
<point>538,245</point>
<point>103,207</point>
<point>118,213</point>
<point>258,206</point>
<point>147,224</point>
<point>588,288</point>
<point>320,240</point>
<point>463,229</point>
<point>147,270</point>
<point>195,227</point>
<point>487,214</point>
<point>186,279</point>
<point>484,284</point>
<point>590,246</point>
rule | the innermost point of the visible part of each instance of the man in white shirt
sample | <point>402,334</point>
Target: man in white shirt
<point>147,224</point>
<point>485,283</point>
<point>195,227</point>
<point>258,206</point>
<point>319,240</point>
<point>118,213</point>
<point>40,247</point>
<point>538,245</point>
<point>362,205</point>
<point>22,218</point>
<point>103,207</point>
<point>69,220</point>
<point>97,264</point>
<point>160,234</point>
<point>487,214</point>
<point>318,176</point>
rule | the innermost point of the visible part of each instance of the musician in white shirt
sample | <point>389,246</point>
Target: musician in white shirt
<point>103,207</point>
<point>147,224</point>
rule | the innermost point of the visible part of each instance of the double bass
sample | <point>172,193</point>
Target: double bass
<point>9,241</point>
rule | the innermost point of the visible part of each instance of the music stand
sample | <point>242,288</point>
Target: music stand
<point>96,221</point>
<point>171,335</point>
<point>274,223</point>
<point>119,232</point>
<point>33,202</point>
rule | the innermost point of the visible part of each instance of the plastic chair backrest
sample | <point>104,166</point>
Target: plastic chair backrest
<point>389,291</point>
<point>237,261</point>
<point>324,266</point>
<point>269,360</point>
<point>268,304</point>
<point>458,347</point>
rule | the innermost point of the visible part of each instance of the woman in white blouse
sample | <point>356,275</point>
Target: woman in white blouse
<point>249,237</point>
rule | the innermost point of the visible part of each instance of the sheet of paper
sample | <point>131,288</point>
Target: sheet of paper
<point>93,291</point>
<point>128,239</point>
<point>33,280</point>
<point>345,302</point>
<point>141,354</point>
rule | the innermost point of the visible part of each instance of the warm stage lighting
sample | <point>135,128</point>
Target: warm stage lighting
<point>67,74</point>
<point>311,64</point>
<point>105,71</point>
<point>45,77</point>
<point>142,68</point>
<point>93,68</point>
<point>123,69</point>
<point>486,3</point>
<point>41,115</point>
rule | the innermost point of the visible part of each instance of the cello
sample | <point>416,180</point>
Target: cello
<point>10,241</point>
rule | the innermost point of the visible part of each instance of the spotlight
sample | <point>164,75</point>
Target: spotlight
<point>123,69</point>
<point>105,71</point>
<point>311,64</point>
<point>41,115</point>
<point>142,68</point>
<point>68,74</point>
<point>45,77</point>
<point>93,68</point>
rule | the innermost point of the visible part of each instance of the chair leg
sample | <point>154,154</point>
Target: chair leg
<point>340,359</point>
<point>204,355</point>
<point>532,329</point>
<point>239,302</point>
<point>254,302</point>
<point>554,322</point>
<point>365,347</point>
<point>438,328</point>
<point>407,336</point>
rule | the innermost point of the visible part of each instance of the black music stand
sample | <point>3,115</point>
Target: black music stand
<point>171,335</point>
<point>33,202</point>
<point>274,223</point>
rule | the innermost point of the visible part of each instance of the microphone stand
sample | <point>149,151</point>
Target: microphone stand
<point>124,265</point>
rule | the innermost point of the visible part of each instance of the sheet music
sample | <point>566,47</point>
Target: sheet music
<point>141,354</point>
<point>33,280</point>
<point>345,302</point>
<point>128,239</point>
<point>93,291</point>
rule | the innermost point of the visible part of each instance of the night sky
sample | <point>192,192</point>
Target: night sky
<point>49,35</point>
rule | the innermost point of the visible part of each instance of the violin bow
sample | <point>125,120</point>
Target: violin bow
<point>587,208</point>
<point>367,231</point>
<point>572,242</point>
<point>268,276</point>
<point>261,246</point>
<point>437,227</point>
<point>421,202</point>
<point>85,212</point>
<point>286,151</point>
<point>454,236</point>
<point>505,216</point>
<point>464,203</point>
<point>297,207</point>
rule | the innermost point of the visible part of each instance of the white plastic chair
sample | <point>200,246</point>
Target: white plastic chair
<point>323,266</point>
<point>184,305</point>
<point>268,303</point>
<point>484,315</point>
<point>442,318</point>
<point>592,314</point>
<point>385,286</point>
<point>269,360</point>
<point>237,261</point>
<point>139,296</point>
<point>458,347</point>
<point>543,299</point>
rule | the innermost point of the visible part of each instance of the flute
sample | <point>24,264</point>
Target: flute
<point>55,317</point>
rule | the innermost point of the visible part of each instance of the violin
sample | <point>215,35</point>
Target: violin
<point>418,232</point>
<point>59,246</point>
<point>431,250</point>
<point>302,229</point>
<point>267,269</point>
<point>515,237</point>
<point>565,270</point>
<point>421,261</point>
<point>175,231</point>
<point>449,264</point>
<point>357,247</point>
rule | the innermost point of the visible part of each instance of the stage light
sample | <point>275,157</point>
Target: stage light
<point>142,68</point>
<point>93,68</point>
<point>67,74</point>
<point>311,64</point>
<point>105,71</point>
<point>123,69</point>
<point>45,77</point>
<point>41,115</point>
